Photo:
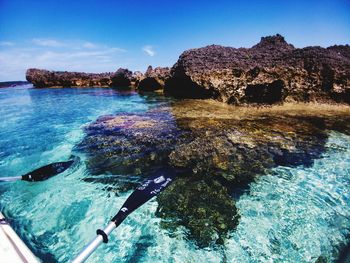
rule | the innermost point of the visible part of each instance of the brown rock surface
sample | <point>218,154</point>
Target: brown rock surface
<point>121,78</point>
<point>270,72</point>
<point>154,79</point>
<point>137,76</point>
<point>44,78</point>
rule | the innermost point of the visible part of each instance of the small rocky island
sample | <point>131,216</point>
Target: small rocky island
<point>272,71</point>
<point>151,80</point>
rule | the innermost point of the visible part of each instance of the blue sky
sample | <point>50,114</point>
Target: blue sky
<point>99,36</point>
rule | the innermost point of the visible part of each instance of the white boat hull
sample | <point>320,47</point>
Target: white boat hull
<point>12,248</point>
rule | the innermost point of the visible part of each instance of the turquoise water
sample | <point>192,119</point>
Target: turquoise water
<point>293,215</point>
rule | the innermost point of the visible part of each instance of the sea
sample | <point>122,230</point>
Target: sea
<point>292,214</point>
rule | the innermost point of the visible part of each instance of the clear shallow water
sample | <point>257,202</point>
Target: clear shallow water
<point>292,215</point>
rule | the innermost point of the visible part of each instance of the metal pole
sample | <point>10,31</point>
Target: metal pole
<point>10,179</point>
<point>91,247</point>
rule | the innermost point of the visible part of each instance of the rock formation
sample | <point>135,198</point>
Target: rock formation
<point>43,78</point>
<point>270,72</point>
<point>136,77</point>
<point>154,79</point>
<point>121,78</point>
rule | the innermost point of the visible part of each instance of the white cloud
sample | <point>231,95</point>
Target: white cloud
<point>149,50</point>
<point>47,42</point>
<point>6,43</point>
<point>117,49</point>
<point>66,55</point>
<point>59,55</point>
<point>89,45</point>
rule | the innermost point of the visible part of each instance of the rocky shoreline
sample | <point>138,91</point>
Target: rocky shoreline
<point>151,80</point>
<point>272,71</point>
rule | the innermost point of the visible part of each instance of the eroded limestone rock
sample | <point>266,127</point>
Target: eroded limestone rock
<point>154,79</point>
<point>43,78</point>
<point>121,78</point>
<point>272,71</point>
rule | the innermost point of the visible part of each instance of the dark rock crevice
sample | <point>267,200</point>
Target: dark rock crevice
<point>121,78</point>
<point>154,79</point>
<point>268,93</point>
<point>184,87</point>
<point>149,84</point>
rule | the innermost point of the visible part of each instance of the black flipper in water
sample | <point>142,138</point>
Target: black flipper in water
<point>44,172</point>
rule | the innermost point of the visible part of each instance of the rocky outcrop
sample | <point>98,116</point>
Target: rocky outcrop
<point>154,79</point>
<point>270,72</point>
<point>43,78</point>
<point>121,78</point>
<point>136,77</point>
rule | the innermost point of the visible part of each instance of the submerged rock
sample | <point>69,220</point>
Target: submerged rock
<point>218,149</point>
<point>237,151</point>
<point>272,71</point>
<point>129,143</point>
<point>204,207</point>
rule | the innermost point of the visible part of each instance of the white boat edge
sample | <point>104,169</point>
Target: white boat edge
<point>12,248</point>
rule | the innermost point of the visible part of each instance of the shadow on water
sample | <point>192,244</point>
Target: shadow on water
<point>344,255</point>
<point>140,248</point>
